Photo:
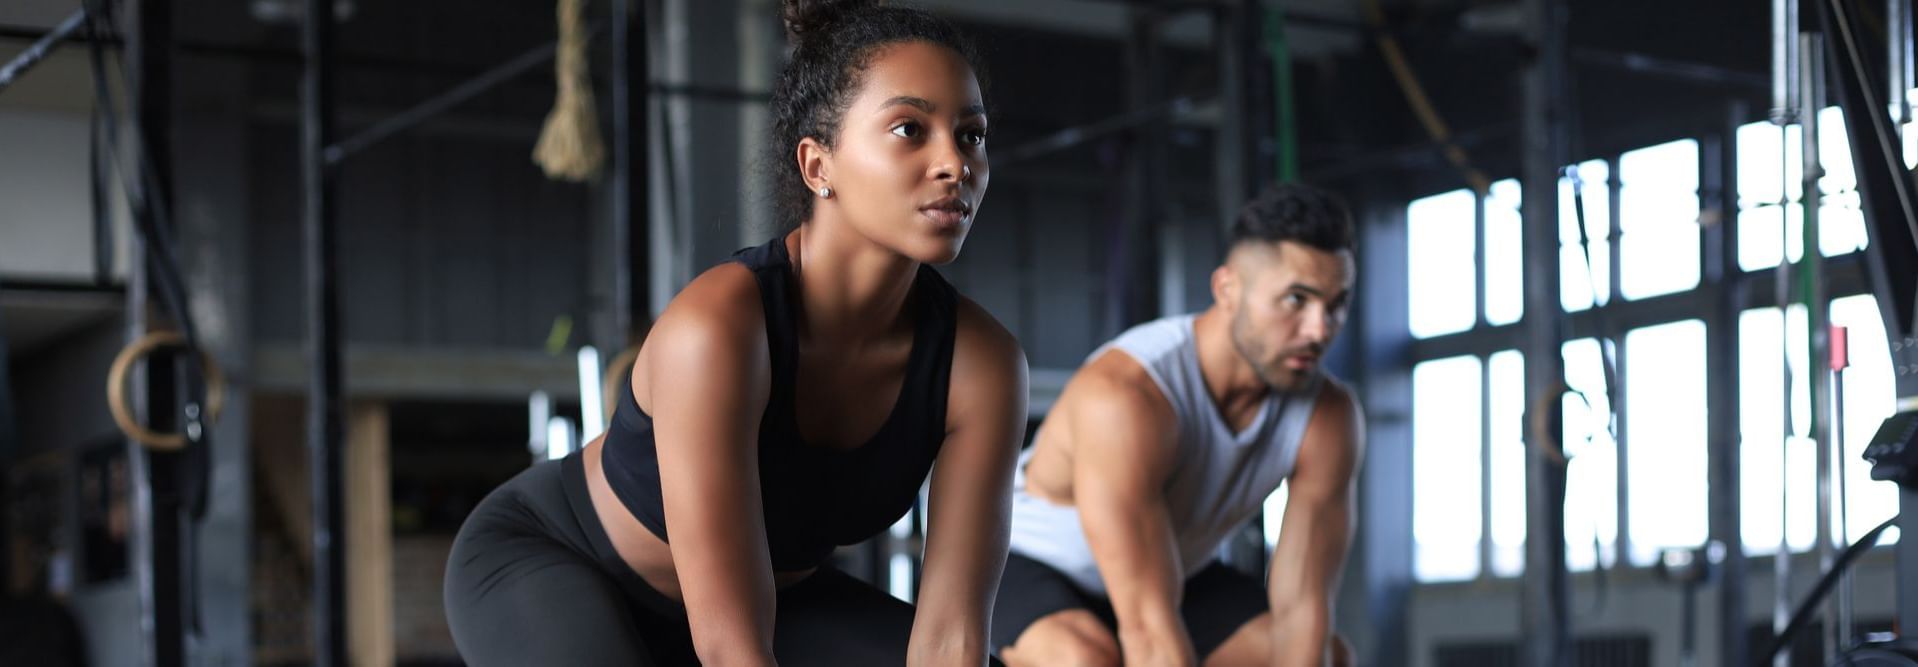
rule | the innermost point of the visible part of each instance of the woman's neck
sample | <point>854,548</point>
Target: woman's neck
<point>853,290</point>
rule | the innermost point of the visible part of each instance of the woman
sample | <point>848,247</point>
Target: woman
<point>786,402</point>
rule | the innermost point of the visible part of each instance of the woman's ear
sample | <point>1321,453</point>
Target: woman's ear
<point>815,163</point>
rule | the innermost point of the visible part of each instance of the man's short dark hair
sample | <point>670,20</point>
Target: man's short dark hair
<point>1295,212</point>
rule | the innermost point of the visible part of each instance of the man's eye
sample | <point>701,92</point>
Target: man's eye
<point>907,130</point>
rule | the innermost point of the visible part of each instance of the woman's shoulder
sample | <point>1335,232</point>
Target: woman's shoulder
<point>984,352</point>
<point>719,306</point>
<point>977,329</point>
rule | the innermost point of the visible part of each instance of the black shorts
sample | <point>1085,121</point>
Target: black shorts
<point>1218,601</point>
<point>533,580</point>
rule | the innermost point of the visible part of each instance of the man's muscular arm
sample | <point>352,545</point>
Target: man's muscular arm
<point>1123,446</point>
<point>1317,530</point>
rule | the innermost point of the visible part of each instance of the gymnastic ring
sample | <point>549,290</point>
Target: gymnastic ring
<point>620,370</point>
<point>1545,440</point>
<point>117,393</point>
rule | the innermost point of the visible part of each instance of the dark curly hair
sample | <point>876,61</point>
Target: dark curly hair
<point>833,42</point>
<point>1295,212</point>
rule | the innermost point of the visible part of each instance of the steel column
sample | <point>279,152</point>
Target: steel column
<point>324,428</point>
<point>630,181</point>
<point>1545,609</point>
<point>148,65</point>
<point>1720,193</point>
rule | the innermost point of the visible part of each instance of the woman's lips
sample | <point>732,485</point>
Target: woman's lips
<point>944,218</point>
<point>947,213</point>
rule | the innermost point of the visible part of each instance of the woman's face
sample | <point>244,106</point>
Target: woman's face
<point>909,167</point>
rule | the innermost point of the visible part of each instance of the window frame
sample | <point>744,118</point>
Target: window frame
<point>1724,288</point>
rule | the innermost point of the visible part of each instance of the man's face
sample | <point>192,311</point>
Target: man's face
<point>1287,301</point>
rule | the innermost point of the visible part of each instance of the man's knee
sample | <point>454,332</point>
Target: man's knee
<point>1067,639</point>
<point>1068,651</point>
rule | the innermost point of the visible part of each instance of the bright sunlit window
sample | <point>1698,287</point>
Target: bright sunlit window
<point>1771,170</point>
<point>1440,258</point>
<point>1635,231</point>
<point>1658,220</point>
<point>1591,488</point>
<point>1582,282</point>
<point>1504,254</point>
<point>1868,396</point>
<point>1665,399</point>
<point>1445,469</point>
<point>1506,434</point>
<point>1766,494</point>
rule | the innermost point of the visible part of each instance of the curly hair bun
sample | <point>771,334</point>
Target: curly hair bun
<point>805,18</point>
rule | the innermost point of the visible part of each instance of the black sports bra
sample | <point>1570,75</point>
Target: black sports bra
<point>814,498</point>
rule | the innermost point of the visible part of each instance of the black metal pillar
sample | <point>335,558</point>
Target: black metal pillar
<point>1719,194</point>
<point>1544,606</point>
<point>630,183</point>
<point>8,445</point>
<point>1134,269</point>
<point>148,63</point>
<point>324,430</point>
<point>1236,27</point>
<point>1383,547</point>
<point>1890,199</point>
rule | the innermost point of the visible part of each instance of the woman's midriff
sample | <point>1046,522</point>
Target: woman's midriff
<point>643,551</point>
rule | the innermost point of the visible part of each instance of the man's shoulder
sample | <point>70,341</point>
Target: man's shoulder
<point>1337,424</point>
<point>1115,376</point>
<point>1336,400</point>
<point>1152,343</point>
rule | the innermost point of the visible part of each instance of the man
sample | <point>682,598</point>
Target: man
<point>1168,440</point>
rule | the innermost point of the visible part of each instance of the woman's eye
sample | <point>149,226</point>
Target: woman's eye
<point>1294,300</point>
<point>907,130</point>
<point>973,137</point>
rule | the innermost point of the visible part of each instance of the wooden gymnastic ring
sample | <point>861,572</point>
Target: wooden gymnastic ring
<point>117,393</point>
<point>620,370</point>
<point>1548,442</point>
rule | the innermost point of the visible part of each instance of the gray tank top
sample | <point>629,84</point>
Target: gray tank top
<point>1220,478</point>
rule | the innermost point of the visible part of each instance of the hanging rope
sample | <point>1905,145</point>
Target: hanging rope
<point>1414,92</point>
<point>569,145</point>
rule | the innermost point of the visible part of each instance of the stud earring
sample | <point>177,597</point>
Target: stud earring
<point>825,192</point>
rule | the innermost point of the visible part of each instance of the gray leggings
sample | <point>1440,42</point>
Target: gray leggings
<point>533,580</point>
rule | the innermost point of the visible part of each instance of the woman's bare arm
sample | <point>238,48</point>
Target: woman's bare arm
<point>971,491</point>
<point>708,378</point>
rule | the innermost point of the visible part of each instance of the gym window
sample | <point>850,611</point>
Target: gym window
<point>1637,481</point>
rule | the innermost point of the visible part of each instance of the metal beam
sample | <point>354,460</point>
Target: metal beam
<point>1236,28</point>
<point>9,434</point>
<point>1719,192</point>
<point>24,62</point>
<point>1384,546</point>
<point>1133,270</point>
<point>1890,224</point>
<point>323,419</point>
<point>1144,114</point>
<point>459,94</point>
<point>148,65</point>
<point>631,183</point>
<point>1680,70</point>
<point>1545,610</point>
<point>1750,289</point>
